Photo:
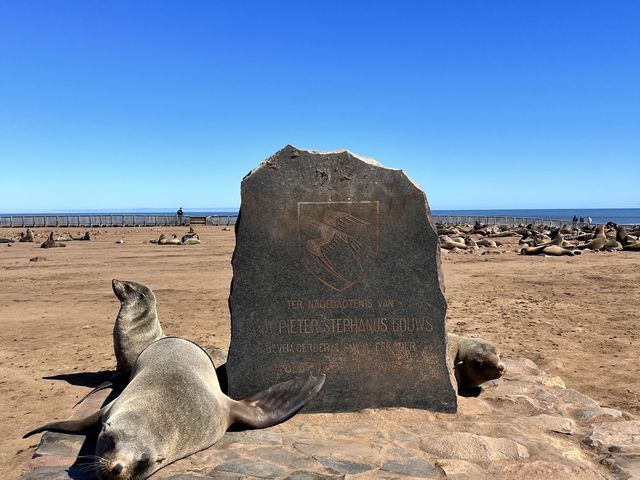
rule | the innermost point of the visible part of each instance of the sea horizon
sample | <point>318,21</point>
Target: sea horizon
<point>626,215</point>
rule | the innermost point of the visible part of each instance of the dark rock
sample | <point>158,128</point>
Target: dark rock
<point>344,467</point>
<point>304,475</point>
<point>337,271</point>
<point>259,469</point>
<point>412,468</point>
<point>59,473</point>
<point>59,444</point>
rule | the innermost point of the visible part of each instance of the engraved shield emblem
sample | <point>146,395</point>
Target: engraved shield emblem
<point>338,241</point>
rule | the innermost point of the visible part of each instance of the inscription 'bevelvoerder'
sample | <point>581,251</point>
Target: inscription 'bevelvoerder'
<point>336,271</point>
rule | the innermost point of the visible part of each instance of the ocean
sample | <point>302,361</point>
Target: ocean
<point>624,216</point>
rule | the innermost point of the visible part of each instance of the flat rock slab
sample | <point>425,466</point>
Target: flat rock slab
<point>491,436</point>
<point>336,271</point>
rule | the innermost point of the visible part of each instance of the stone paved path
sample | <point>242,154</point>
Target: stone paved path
<point>526,425</point>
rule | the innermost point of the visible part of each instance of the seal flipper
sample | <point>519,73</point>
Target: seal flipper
<point>277,403</point>
<point>69,426</point>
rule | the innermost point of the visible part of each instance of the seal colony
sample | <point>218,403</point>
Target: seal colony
<point>538,240</point>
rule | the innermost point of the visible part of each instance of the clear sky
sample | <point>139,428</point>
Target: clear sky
<point>486,104</point>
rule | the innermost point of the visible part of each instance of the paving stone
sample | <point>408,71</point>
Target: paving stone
<point>304,475</point>
<point>280,456</point>
<point>251,437</point>
<point>412,467</point>
<point>58,473</point>
<point>625,466</point>
<point>224,476</point>
<point>547,423</point>
<point>467,446</point>
<point>343,466</point>
<point>461,470</point>
<point>183,476</point>
<point>616,437</point>
<point>259,469</point>
<point>601,413</point>
<point>337,448</point>
<point>59,444</point>
<point>541,469</point>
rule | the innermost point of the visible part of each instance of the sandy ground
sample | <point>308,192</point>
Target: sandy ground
<point>575,316</point>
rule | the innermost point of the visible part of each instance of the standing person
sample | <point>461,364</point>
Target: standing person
<point>575,222</point>
<point>581,222</point>
<point>180,213</point>
<point>589,221</point>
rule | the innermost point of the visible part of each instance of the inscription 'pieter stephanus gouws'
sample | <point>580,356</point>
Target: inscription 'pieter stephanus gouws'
<point>336,271</point>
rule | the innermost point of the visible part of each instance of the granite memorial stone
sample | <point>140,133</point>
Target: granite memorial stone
<point>336,270</point>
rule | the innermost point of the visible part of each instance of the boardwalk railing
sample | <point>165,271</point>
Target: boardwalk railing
<point>110,220</point>
<point>500,220</point>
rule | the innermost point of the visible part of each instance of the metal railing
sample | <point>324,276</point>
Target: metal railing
<point>110,220</point>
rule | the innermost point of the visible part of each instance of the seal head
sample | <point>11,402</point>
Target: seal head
<point>475,361</point>
<point>137,324</point>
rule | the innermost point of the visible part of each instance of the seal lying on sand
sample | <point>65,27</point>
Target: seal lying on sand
<point>50,242</point>
<point>137,324</point>
<point>193,240</point>
<point>6,240</point>
<point>475,361</point>
<point>173,407</point>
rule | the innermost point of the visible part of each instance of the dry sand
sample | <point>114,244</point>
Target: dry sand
<point>575,316</point>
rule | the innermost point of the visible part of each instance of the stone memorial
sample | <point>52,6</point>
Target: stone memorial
<point>336,270</point>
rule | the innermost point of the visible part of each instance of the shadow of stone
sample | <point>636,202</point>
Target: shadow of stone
<point>83,468</point>
<point>221,372</point>
<point>84,379</point>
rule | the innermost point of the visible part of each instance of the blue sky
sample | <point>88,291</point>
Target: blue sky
<point>493,104</point>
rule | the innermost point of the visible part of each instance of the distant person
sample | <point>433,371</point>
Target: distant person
<point>180,213</point>
<point>575,222</point>
<point>581,222</point>
<point>589,221</point>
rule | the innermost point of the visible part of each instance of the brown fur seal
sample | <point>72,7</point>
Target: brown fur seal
<point>50,242</point>
<point>485,242</point>
<point>193,240</point>
<point>161,240</point>
<point>174,240</point>
<point>475,361</point>
<point>26,237</point>
<point>137,324</point>
<point>628,243</point>
<point>173,407</point>
<point>600,241</point>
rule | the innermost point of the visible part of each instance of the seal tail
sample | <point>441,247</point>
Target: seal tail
<point>277,403</point>
<point>68,426</point>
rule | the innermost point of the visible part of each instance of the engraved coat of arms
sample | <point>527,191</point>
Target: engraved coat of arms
<point>338,241</point>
